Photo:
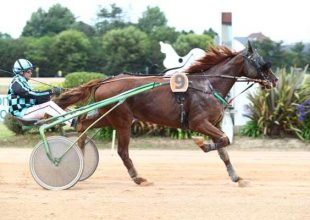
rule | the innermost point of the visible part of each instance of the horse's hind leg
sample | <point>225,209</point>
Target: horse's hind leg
<point>123,143</point>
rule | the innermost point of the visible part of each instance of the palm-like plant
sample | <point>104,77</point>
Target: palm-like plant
<point>275,111</point>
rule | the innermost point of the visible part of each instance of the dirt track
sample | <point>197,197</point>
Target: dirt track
<point>187,185</point>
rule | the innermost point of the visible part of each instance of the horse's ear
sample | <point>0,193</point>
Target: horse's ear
<point>250,49</point>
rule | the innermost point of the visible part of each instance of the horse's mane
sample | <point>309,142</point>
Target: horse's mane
<point>214,55</point>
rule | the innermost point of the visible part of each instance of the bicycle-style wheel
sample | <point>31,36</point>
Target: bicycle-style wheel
<point>90,155</point>
<point>56,177</point>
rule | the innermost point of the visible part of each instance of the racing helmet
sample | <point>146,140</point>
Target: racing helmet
<point>22,65</point>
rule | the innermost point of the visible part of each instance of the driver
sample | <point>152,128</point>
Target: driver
<point>26,103</point>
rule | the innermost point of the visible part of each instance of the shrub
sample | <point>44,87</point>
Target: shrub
<point>274,112</point>
<point>42,87</point>
<point>78,78</point>
<point>304,132</point>
<point>251,129</point>
<point>140,128</point>
<point>104,134</point>
<point>12,124</point>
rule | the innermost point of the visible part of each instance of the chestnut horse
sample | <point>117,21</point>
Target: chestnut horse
<point>217,71</point>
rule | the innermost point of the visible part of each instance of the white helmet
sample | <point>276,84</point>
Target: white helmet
<point>22,65</point>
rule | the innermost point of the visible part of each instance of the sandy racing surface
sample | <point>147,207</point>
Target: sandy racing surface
<point>188,185</point>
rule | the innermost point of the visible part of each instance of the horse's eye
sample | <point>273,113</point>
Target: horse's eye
<point>266,66</point>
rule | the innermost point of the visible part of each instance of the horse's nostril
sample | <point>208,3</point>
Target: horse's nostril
<point>180,60</point>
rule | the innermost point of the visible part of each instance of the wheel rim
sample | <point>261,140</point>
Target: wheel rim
<point>52,177</point>
<point>90,156</point>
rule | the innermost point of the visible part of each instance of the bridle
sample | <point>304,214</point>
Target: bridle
<point>256,63</point>
<point>259,65</point>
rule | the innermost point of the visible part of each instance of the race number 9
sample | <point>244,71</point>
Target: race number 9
<point>179,82</point>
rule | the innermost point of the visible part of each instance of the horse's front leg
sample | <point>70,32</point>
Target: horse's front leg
<point>220,141</point>
<point>123,143</point>
<point>230,169</point>
<point>219,138</point>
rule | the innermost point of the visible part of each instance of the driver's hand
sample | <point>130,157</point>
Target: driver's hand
<point>57,91</point>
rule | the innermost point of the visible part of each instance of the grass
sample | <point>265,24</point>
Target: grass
<point>8,140</point>
<point>4,132</point>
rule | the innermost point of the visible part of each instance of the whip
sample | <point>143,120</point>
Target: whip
<point>30,78</point>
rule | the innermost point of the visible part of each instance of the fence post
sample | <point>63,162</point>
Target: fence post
<point>113,141</point>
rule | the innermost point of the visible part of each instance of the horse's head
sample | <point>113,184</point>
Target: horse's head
<point>257,68</point>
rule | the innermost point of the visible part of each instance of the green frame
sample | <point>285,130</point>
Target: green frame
<point>118,99</point>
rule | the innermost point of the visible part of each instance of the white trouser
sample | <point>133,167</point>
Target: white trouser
<point>50,108</point>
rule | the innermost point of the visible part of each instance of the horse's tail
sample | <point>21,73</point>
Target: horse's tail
<point>77,95</point>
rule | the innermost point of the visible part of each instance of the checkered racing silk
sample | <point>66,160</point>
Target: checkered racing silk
<point>21,96</point>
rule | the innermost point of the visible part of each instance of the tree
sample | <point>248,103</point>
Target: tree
<point>96,61</point>
<point>56,20</point>
<point>186,42</point>
<point>164,33</point>
<point>71,50</point>
<point>151,18</point>
<point>155,57</point>
<point>110,19</point>
<point>38,50</point>
<point>10,50</point>
<point>273,52</point>
<point>5,36</point>
<point>211,33</point>
<point>83,27</point>
<point>308,57</point>
<point>125,50</point>
<point>298,55</point>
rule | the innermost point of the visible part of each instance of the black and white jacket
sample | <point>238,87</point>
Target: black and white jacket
<point>21,96</point>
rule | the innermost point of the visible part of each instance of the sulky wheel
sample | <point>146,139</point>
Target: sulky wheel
<point>56,177</point>
<point>90,155</point>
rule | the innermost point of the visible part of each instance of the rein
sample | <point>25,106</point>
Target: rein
<point>130,77</point>
<point>237,78</point>
<point>219,96</point>
<point>214,92</point>
<point>230,101</point>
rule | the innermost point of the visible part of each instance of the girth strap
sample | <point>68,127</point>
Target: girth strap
<point>180,97</point>
<point>211,90</point>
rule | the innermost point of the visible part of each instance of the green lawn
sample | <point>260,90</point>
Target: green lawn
<point>9,139</point>
<point>4,132</point>
<point>30,140</point>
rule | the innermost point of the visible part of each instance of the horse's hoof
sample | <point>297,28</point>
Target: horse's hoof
<point>243,183</point>
<point>142,182</point>
<point>198,140</point>
<point>146,183</point>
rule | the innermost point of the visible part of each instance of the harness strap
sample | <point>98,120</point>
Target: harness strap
<point>180,97</point>
<point>220,98</point>
<point>216,94</point>
<point>230,101</point>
